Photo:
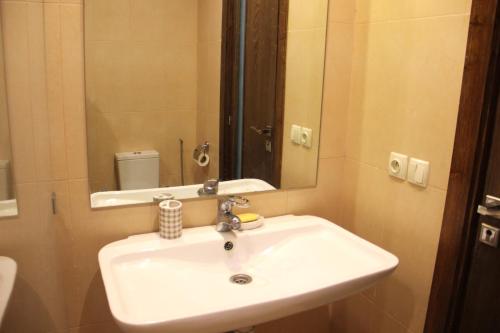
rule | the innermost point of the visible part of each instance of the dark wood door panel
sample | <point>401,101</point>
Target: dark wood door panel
<point>264,88</point>
<point>261,49</point>
<point>451,304</point>
<point>493,179</point>
<point>481,312</point>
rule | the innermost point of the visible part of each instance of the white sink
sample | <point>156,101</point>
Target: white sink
<point>130,197</point>
<point>183,286</point>
<point>8,208</point>
<point>8,269</point>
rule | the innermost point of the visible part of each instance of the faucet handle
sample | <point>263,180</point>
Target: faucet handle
<point>239,201</point>
<point>228,203</point>
<point>211,186</point>
<point>226,220</point>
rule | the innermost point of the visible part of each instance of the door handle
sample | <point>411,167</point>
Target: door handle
<point>267,131</point>
<point>492,202</point>
<point>491,207</point>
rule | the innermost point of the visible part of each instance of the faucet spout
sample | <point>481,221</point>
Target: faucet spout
<point>226,220</point>
<point>210,187</point>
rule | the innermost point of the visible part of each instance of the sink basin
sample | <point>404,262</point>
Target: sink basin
<point>296,263</point>
<point>8,269</point>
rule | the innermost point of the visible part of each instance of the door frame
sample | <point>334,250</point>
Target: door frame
<point>229,89</point>
<point>478,104</point>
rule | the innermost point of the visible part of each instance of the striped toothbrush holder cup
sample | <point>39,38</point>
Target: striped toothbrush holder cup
<point>170,219</point>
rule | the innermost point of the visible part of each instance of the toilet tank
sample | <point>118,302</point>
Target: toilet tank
<point>138,169</point>
<point>4,180</point>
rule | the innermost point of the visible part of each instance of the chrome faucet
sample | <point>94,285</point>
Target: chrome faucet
<point>226,220</point>
<point>210,187</point>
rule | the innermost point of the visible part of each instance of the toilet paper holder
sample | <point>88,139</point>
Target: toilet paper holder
<point>200,154</point>
<point>202,149</point>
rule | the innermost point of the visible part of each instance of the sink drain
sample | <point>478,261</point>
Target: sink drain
<point>241,279</point>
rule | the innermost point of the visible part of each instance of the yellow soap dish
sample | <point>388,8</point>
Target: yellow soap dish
<point>251,221</point>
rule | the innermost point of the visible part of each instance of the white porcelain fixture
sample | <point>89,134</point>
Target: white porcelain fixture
<point>183,286</point>
<point>118,198</point>
<point>8,208</point>
<point>8,269</point>
<point>138,169</point>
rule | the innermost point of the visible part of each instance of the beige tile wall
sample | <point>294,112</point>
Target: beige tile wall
<point>5,150</point>
<point>59,286</point>
<point>209,69</point>
<point>407,66</point>
<point>37,301</point>
<point>141,74</point>
<point>4,120</point>
<point>305,59</point>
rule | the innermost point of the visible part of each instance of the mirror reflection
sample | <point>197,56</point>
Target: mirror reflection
<point>8,204</point>
<point>188,98</point>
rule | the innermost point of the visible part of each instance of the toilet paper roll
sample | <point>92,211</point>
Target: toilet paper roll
<point>170,219</point>
<point>202,160</point>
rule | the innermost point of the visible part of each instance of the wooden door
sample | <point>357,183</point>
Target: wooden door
<point>481,306</point>
<point>263,96</point>
<point>465,291</point>
<point>261,50</point>
<point>465,288</point>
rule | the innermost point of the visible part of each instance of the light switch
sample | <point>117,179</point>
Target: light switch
<point>418,172</point>
<point>306,137</point>
<point>398,165</point>
<point>295,134</point>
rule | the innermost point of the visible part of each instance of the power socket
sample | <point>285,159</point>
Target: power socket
<point>398,165</point>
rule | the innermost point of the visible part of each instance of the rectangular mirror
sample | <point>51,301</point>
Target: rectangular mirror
<point>191,98</point>
<point>8,204</point>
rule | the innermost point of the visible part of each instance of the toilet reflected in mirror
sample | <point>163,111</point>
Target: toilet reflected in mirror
<point>138,170</point>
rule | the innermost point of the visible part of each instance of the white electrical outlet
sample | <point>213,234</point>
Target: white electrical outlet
<point>306,137</point>
<point>398,165</point>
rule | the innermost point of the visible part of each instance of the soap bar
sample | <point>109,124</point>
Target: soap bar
<point>248,217</point>
<point>252,224</point>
